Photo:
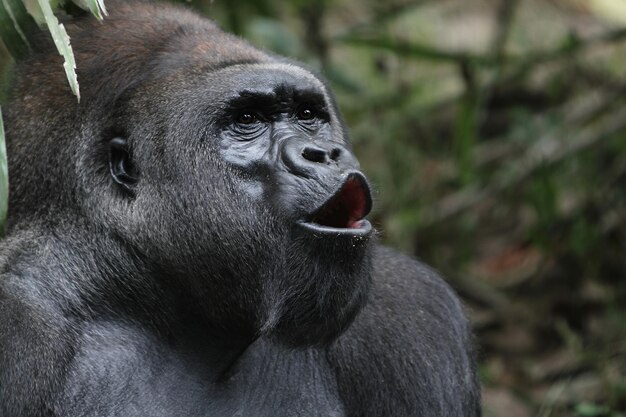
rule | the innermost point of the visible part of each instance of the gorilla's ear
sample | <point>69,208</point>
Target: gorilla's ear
<point>121,164</point>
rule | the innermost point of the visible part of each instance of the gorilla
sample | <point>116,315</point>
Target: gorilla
<point>190,239</point>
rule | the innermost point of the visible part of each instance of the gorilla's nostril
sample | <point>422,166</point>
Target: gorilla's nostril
<point>314,154</point>
<point>335,154</point>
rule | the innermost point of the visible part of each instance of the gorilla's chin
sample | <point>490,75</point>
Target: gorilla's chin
<point>323,286</point>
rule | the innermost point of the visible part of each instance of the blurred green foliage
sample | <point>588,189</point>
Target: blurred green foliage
<point>495,134</point>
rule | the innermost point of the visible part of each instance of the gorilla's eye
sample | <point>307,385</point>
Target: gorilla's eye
<point>305,113</point>
<point>247,118</point>
<point>247,125</point>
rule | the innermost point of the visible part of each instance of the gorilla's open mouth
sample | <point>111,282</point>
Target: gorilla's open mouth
<point>345,209</point>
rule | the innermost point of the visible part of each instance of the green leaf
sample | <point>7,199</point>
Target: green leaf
<point>96,7</point>
<point>15,25</point>
<point>591,410</point>
<point>62,42</point>
<point>4,179</point>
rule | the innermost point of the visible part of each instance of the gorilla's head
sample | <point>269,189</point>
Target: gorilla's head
<point>225,169</point>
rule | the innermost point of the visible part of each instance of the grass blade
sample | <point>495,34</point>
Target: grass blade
<point>15,25</point>
<point>62,42</point>
<point>96,7</point>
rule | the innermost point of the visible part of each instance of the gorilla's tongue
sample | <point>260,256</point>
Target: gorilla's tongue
<point>347,207</point>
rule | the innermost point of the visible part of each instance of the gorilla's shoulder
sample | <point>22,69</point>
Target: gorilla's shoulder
<point>411,305</point>
<point>408,290</point>
<point>411,346</point>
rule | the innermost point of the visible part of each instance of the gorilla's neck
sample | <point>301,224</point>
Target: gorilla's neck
<point>112,281</point>
<point>313,292</point>
<point>130,293</point>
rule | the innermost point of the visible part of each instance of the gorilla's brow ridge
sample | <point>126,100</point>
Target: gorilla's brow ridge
<point>281,96</point>
<point>294,70</point>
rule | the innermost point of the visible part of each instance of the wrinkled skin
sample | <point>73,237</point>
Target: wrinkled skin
<point>191,240</point>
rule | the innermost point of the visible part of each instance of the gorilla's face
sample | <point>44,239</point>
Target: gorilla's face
<point>281,131</point>
<point>241,187</point>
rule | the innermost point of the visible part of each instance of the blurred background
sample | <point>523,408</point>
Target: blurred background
<point>494,132</point>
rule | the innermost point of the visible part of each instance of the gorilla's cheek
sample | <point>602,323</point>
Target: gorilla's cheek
<point>255,171</point>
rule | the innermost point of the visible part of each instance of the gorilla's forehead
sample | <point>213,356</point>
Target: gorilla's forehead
<point>273,70</point>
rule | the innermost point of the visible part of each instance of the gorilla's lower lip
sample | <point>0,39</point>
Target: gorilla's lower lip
<point>345,210</point>
<point>364,228</point>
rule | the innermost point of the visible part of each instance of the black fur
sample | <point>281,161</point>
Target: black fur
<point>167,256</point>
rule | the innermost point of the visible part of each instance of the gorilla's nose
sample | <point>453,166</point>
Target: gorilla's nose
<point>311,159</point>
<point>320,155</point>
